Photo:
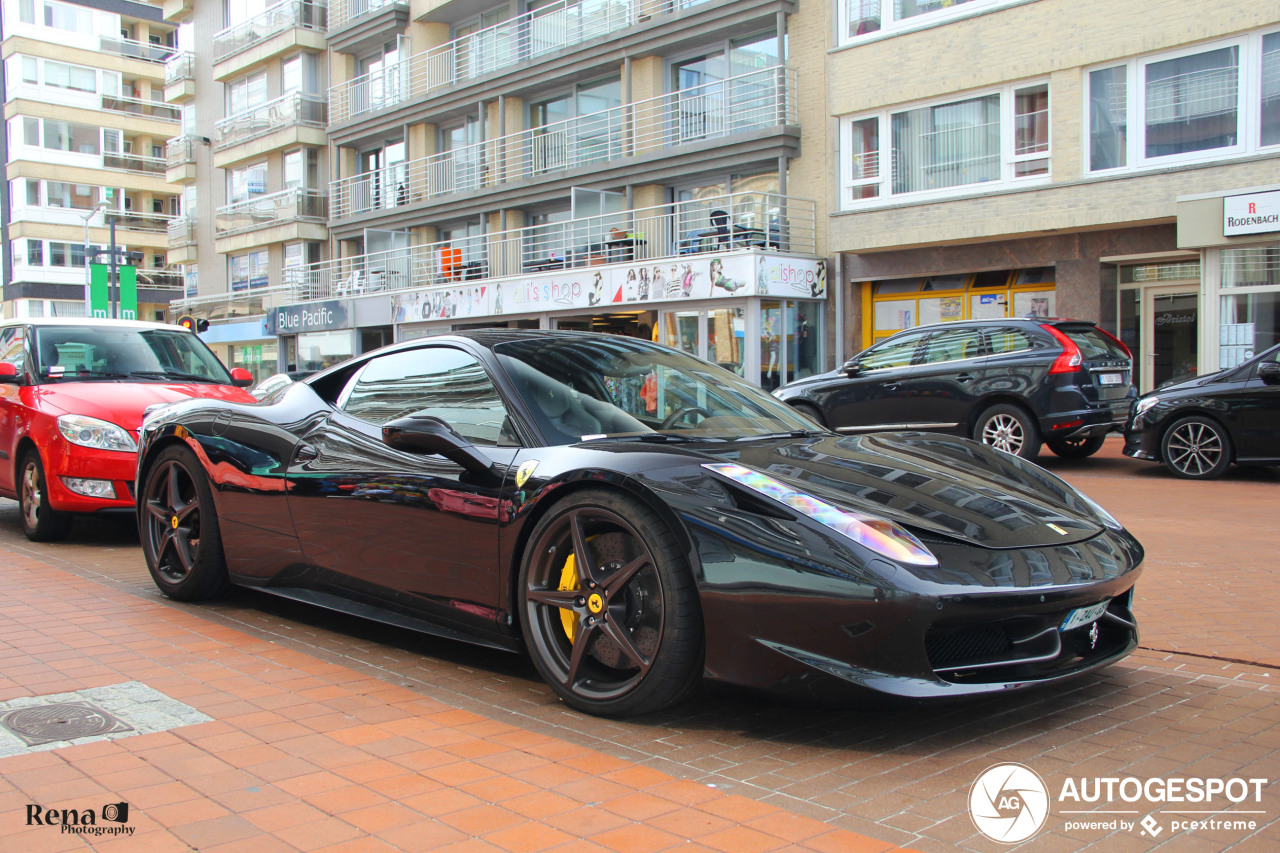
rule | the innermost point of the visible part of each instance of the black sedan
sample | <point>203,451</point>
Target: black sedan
<point>638,520</point>
<point>1198,427</point>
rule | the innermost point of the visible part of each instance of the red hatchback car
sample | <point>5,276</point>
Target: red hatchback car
<point>73,393</point>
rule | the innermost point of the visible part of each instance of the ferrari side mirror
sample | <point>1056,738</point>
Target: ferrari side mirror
<point>426,434</point>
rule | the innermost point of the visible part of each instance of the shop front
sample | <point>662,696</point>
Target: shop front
<point>756,314</point>
<point>243,344</point>
<point>314,335</point>
<point>1237,235</point>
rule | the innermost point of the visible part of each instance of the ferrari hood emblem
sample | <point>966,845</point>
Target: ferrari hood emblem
<point>524,472</point>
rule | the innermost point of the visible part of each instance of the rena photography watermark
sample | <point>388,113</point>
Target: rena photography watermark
<point>109,820</point>
<point>1011,803</point>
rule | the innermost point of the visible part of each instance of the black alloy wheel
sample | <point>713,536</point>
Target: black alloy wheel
<point>180,536</point>
<point>40,521</point>
<point>1008,428</point>
<point>1076,448</point>
<point>610,611</point>
<point>1196,448</point>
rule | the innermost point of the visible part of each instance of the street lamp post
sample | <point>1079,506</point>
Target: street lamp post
<point>88,302</point>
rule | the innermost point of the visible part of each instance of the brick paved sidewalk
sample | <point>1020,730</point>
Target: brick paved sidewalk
<point>301,754</point>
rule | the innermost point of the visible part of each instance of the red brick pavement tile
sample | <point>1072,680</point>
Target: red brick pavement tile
<point>529,838</point>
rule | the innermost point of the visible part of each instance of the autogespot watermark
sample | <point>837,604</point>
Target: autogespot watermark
<point>1011,803</point>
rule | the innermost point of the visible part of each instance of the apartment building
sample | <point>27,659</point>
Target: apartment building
<point>87,125</point>
<point>251,161</point>
<point>1106,159</point>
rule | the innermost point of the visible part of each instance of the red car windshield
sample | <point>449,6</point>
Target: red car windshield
<point>87,353</point>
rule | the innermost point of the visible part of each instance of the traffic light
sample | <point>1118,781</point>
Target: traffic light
<point>186,321</point>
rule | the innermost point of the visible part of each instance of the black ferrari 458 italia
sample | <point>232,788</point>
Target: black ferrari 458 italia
<point>638,520</point>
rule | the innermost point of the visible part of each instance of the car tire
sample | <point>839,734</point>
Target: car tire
<point>620,633</point>
<point>1076,448</point>
<point>180,536</point>
<point>40,521</point>
<point>1008,428</point>
<point>1196,448</point>
<point>810,412</point>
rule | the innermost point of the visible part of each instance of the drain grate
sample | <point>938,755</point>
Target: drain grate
<point>61,721</point>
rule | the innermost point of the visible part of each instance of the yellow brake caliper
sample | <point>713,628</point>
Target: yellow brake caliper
<point>569,580</point>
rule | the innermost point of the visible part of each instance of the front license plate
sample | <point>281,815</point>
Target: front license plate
<point>1110,378</point>
<point>1082,616</point>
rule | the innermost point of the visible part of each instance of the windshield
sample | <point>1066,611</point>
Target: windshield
<point>616,386</point>
<point>88,353</point>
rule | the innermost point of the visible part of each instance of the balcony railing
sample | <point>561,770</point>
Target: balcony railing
<point>748,102</point>
<point>233,304</point>
<point>132,220</point>
<point>157,53</point>
<point>182,231</point>
<point>135,163</point>
<point>296,205</point>
<point>180,67</point>
<point>160,279</point>
<point>343,12</point>
<point>524,38</point>
<point>180,151</point>
<point>292,109</point>
<point>139,107</point>
<point>711,225</point>
<point>291,14</point>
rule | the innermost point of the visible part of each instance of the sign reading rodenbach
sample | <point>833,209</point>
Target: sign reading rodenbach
<point>1255,213</point>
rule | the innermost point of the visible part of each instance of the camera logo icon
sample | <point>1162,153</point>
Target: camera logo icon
<point>116,812</point>
<point>1009,803</point>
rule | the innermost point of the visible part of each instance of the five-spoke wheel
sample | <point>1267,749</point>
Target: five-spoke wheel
<point>1196,448</point>
<point>180,537</point>
<point>610,611</point>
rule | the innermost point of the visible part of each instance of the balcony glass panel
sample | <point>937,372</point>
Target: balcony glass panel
<point>292,109</point>
<point>291,14</point>
<point>269,210</point>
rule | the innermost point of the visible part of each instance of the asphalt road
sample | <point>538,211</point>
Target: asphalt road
<point>1198,700</point>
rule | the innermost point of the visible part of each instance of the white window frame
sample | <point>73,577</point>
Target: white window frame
<point>1248,108</point>
<point>1008,158</point>
<point>889,26</point>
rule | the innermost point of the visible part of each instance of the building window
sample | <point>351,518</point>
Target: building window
<point>249,271</point>
<point>861,18</point>
<point>991,139</point>
<point>35,253</point>
<point>1188,107</point>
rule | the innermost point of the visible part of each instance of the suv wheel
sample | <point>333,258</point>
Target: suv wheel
<point>1076,448</point>
<point>1010,429</point>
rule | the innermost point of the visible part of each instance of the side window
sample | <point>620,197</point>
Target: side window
<point>440,382</point>
<point>952,345</point>
<point>895,352</point>
<point>1005,340</point>
<point>12,347</point>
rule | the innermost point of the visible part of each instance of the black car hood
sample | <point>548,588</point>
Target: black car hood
<point>934,484</point>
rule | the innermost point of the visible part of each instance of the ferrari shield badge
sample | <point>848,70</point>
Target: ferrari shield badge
<point>524,472</point>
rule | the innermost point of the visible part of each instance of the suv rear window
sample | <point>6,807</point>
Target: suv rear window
<point>1093,342</point>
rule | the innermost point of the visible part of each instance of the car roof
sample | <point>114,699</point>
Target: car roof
<point>89,321</point>
<point>999,321</point>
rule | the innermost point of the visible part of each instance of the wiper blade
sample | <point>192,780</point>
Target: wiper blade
<point>795,433</point>
<point>655,437</point>
<point>173,374</point>
<point>82,374</point>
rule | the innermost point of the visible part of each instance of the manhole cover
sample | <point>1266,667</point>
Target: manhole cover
<point>61,721</point>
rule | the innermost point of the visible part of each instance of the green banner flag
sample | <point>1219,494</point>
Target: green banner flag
<point>128,292</point>
<point>99,291</point>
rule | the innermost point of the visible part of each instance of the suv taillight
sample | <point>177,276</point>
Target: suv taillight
<point>1118,342</point>
<point>1070,359</point>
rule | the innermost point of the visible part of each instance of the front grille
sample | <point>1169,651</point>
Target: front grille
<point>964,645</point>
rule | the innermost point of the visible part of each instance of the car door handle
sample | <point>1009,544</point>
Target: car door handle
<point>890,386</point>
<point>965,377</point>
<point>305,453</point>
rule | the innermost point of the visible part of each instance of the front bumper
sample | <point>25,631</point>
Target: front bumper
<point>64,459</point>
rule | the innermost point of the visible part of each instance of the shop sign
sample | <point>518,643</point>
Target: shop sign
<point>666,280</point>
<point>307,317</point>
<point>1255,213</point>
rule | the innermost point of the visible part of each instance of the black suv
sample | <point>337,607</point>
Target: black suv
<point>1011,383</point>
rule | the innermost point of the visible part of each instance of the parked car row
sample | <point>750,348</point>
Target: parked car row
<point>636,519</point>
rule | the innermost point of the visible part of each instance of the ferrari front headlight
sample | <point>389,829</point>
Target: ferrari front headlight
<point>878,534</point>
<point>91,432</point>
